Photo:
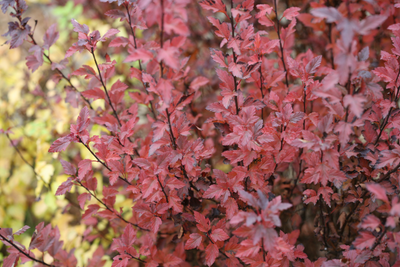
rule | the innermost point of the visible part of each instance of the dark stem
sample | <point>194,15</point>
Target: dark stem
<point>322,220</point>
<point>162,188</point>
<point>142,261</point>
<point>330,40</point>
<point>278,31</point>
<point>162,35</point>
<point>223,253</point>
<point>262,246</point>
<point>170,129</point>
<point>261,90</point>
<point>105,88</point>
<point>364,196</point>
<point>23,252</point>
<point>26,162</point>
<point>234,59</point>
<point>108,208</point>
<point>140,63</point>
<point>63,75</point>
<point>101,162</point>
<point>378,241</point>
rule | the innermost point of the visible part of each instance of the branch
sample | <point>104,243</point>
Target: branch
<point>26,162</point>
<point>101,162</point>
<point>170,129</point>
<point>280,42</point>
<point>105,88</point>
<point>162,35</point>
<point>322,221</point>
<point>142,261</point>
<point>234,58</point>
<point>63,75</point>
<point>382,128</point>
<point>140,63</point>
<point>378,241</point>
<point>108,208</point>
<point>23,252</point>
<point>162,188</point>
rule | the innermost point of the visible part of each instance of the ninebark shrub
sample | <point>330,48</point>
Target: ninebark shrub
<point>270,135</point>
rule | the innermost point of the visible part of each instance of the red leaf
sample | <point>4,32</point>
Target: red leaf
<point>68,167</point>
<point>85,70</point>
<point>379,191</point>
<point>218,235</point>
<point>211,254</point>
<point>169,56</point>
<point>356,103</point>
<point>326,193</point>
<point>84,167</point>
<point>61,143</point>
<point>213,5</point>
<point>80,28</point>
<point>119,41</point>
<point>51,36</point>
<point>119,86</point>
<point>22,230</point>
<point>331,14</point>
<point>82,199</point>
<point>370,222</point>
<point>174,183</point>
<point>198,82</point>
<point>194,241</point>
<point>203,223</point>
<point>291,13</point>
<point>365,240</point>
<point>65,187</point>
<point>94,93</point>
<point>129,236</point>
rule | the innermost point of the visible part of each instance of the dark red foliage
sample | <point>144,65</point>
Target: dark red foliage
<point>273,143</point>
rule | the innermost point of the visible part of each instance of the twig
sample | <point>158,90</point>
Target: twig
<point>234,58</point>
<point>63,75</point>
<point>105,88</point>
<point>108,208</point>
<point>162,188</point>
<point>322,220</point>
<point>142,261</point>
<point>140,63</point>
<point>101,162</point>
<point>23,252</point>
<point>162,36</point>
<point>280,42</point>
<point>382,128</point>
<point>26,162</point>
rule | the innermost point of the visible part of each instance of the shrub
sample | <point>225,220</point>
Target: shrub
<point>234,133</point>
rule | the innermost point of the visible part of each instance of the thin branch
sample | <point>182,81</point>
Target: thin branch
<point>23,252</point>
<point>142,261</point>
<point>162,188</point>
<point>108,208</point>
<point>63,75</point>
<point>170,130</point>
<point>105,88</point>
<point>280,42</point>
<point>382,128</point>
<point>364,196</point>
<point>262,247</point>
<point>162,36</point>
<point>261,90</point>
<point>234,59</point>
<point>101,162</point>
<point>140,63</point>
<point>378,241</point>
<point>322,220</point>
<point>26,162</point>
